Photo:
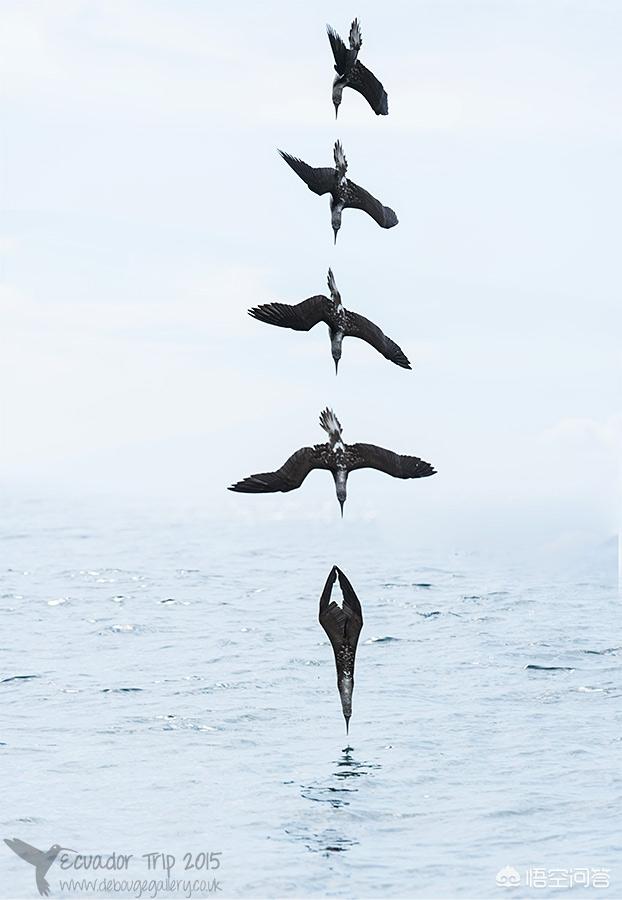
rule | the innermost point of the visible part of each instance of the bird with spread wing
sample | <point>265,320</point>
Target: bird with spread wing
<point>344,194</point>
<point>336,457</point>
<point>352,73</point>
<point>341,323</point>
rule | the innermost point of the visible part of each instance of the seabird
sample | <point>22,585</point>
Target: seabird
<point>343,625</point>
<point>344,194</point>
<point>336,457</point>
<point>341,323</point>
<point>352,73</point>
<point>38,858</point>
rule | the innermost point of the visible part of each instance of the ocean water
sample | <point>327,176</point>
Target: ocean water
<point>166,688</point>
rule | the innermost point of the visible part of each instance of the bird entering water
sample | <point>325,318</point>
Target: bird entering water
<point>352,73</point>
<point>344,194</point>
<point>336,457</point>
<point>343,626</point>
<point>341,323</point>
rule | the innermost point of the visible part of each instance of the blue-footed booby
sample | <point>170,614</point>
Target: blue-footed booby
<point>341,323</point>
<point>343,625</point>
<point>352,73</point>
<point>344,194</point>
<point>336,457</point>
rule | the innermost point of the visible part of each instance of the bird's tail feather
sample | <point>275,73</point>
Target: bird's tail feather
<point>330,423</point>
<point>356,36</point>
<point>340,158</point>
<point>332,284</point>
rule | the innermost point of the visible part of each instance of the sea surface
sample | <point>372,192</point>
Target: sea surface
<point>166,688</point>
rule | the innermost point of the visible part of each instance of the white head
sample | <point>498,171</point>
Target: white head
<point>335,218</point>
<point>346,686</point>
<point>337,92</point>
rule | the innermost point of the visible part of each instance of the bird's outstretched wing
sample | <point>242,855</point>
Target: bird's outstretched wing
<point>360,327</point>
<point>289,477</point>
<point>340,51</point>
<point>301,316</point>
<point>359,198</point>
<point>341,623</point>
<point>366,83</point>
<point>368,456</point>
<point>26,851</point>
<point>320,181</point>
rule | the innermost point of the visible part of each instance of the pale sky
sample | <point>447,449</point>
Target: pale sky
<point>145,208</point>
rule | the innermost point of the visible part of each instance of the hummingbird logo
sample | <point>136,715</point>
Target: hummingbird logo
<point>40,859</point>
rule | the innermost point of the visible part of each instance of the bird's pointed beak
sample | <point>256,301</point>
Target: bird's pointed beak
<point>335,230</point>
<point>336,366</point>
<point>341,502</point>
<point>347,718</point>
<point>336,105</point>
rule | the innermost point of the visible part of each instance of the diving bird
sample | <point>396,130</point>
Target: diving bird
<point>343,626</point>
<point>344,194</point>
<point>352,73</point>
<point>338,458</point>
<point>341,323</point>
<point>41,860</point>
